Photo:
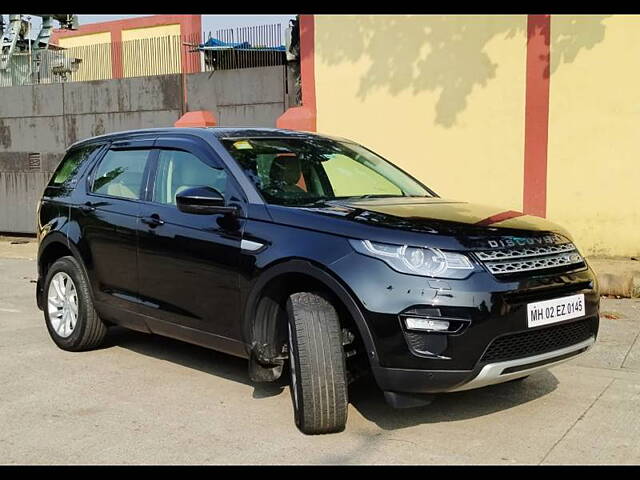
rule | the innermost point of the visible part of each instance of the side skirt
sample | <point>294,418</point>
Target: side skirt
<point>143,323</point>
<point>197,337</point>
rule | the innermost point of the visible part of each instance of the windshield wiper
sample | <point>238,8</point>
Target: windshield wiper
<point>374,195</point>
<point>309,203</point>
<point>318,201</point>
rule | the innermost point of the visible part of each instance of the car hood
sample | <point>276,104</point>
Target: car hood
<point>472,225</point>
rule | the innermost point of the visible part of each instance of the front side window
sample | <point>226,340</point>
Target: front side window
<point>178,170</point>
<point>70,165</point>
<point>121,173</point>
<point>293,171</point>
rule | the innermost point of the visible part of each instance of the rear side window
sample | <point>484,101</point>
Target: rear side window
<point>70,165</point>
<point>121,173</point>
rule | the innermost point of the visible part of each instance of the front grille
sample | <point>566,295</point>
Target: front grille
<point>517,260</point>
<point>534,342</point>
<point>526,252</point>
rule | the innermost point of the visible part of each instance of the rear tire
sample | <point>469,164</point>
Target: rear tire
<point>317,363</point>
<point>87,331</point>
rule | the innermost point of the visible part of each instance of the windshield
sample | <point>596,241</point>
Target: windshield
<point>294,171</point>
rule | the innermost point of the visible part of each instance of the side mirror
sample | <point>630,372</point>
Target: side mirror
<point>202,201</point>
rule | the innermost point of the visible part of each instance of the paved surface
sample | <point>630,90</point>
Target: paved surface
<point>18,247</point>
<point>145,399</point>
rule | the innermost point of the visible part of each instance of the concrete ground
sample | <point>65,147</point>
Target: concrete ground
<point>617,276</point>
<point>147,399</point>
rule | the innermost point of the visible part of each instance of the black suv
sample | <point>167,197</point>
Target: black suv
<point>306,251</point>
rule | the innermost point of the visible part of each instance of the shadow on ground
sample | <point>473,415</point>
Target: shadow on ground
<point>364,394</point>
<point>191,356</point>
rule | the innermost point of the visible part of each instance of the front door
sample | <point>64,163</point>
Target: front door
<point>188,263</point>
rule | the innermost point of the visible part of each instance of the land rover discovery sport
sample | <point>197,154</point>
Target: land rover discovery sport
<point>305,254</point>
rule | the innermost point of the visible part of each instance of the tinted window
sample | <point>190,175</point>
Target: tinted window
<point>70,165</point>
<point>295,171</point>
<point>179,170</point>
<point>120,173</point>
<point>349,178</point>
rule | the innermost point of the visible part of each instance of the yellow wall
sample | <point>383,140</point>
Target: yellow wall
<point>89,39</point>
<point>150,32</point>
<point>159,45</point>
<point>594,132</point>
<point>95,51</point>
<point>444,98</point>
<point>440,96</point>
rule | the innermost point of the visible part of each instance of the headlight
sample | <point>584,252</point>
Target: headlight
<point>428,262</point>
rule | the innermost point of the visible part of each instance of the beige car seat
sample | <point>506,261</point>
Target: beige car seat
<point>126,185</point>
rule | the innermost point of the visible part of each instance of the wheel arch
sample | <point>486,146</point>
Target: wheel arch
<point>52,247</point>
<point>299,270</point>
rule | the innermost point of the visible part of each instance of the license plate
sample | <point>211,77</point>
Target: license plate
<point>556,310</point>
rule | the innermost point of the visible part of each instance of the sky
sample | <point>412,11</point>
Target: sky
<point>209,22</point>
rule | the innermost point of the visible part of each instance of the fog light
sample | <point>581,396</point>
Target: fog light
<point>426,324</point>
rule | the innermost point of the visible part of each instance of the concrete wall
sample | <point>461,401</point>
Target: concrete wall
<point>46,119</point>
<point>247,97</point>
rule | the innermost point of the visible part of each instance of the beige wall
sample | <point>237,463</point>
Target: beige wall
<point>594,133</point>
<point>441,96</point>
<point>150,32</point>
<point>444,98</point>
<point>94,50</point>
<point>89,39</point>
<point>160,45</point>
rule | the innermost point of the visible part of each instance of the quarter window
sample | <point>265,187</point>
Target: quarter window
<point>120,173</point>
<point>178,170</point>
<point>69,166</point>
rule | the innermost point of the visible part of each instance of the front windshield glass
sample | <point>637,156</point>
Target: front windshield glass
<point>294,171</point>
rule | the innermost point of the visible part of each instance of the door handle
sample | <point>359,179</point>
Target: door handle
<point>152,220</point>
<point>87,207</point>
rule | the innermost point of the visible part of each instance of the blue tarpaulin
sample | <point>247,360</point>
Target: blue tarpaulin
<point>217,44</point>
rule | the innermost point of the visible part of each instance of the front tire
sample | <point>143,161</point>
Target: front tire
<point>71,320</point>
<point>317,363</point>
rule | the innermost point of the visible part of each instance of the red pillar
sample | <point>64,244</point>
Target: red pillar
<point>536,115</point>
<point>304,117</point>
<point>116,54</point>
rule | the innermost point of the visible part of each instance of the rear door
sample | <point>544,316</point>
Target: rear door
<point>108,216</point>
<point>188,263</point>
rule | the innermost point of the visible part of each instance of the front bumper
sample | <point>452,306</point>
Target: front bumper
<point>500,372</point>
<point>436,381</point>
<point>407,362</point>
